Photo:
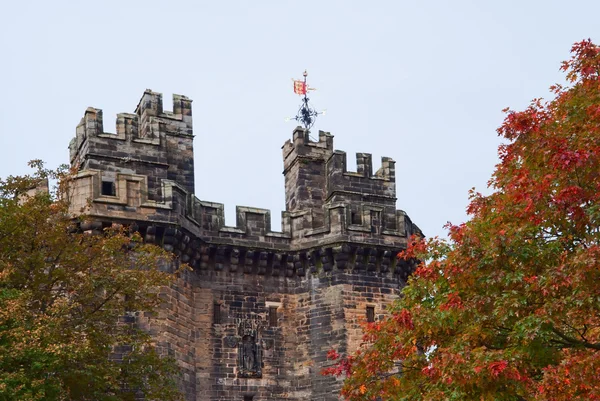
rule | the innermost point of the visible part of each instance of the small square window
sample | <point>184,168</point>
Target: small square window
<point>370,314</point>
<point>109,188</point>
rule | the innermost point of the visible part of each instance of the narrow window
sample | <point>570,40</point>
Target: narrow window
<point>217,313</point>
<point>273,316</point>
<point>375,221</point>
<point>108,188</point>
<point>355,218</point>
<point>370,314</point>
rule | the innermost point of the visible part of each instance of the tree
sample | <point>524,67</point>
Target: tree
<point>509,307</point>
<point>66,302</point>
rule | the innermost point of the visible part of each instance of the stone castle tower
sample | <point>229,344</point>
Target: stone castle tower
<point>256,316</point>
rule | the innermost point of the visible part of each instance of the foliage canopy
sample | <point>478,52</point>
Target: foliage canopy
<point>509,307</point>
<point>66,302</point>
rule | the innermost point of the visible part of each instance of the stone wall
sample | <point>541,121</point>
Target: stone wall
<point>260,309</point>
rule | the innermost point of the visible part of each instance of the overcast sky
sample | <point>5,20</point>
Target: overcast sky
<point>423,82</point>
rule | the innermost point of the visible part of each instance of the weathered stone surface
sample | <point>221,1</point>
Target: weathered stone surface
<point>259,310</point>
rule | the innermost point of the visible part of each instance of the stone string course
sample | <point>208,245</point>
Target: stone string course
<point>334,255</point>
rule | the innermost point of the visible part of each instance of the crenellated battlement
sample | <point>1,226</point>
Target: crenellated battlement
<point>364,166</point>
<point>146,125</point>
<point>382,184</point>
<point>150,107</point>
<point>144,174</point>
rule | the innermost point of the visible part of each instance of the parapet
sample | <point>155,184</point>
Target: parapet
<point>205,220</point>
<point>363,182</point>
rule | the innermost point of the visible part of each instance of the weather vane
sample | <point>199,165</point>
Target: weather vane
<point>306,114</point>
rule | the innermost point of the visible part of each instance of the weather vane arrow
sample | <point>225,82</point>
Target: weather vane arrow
<point>306,114</point>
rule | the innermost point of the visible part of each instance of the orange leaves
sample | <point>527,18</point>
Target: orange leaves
<point>593,111</point>
<point>68,292</point>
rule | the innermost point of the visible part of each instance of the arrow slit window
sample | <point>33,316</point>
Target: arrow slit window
<point>370,314</point>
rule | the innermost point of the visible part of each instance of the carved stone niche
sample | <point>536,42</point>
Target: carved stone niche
<point>249,350</point>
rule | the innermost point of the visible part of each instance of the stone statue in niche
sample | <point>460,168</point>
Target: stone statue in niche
<point>249,350</point>
<point>248,354</point>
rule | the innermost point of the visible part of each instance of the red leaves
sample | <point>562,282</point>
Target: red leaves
<point>456,232</point>
<point>525,122</point>
<point>584,64</point>
<point>530,279</point>
<point>404,319</point>
<point>343,366</point>
<point>453,302</point>
<point>566,159</point>
<point>430,371</point>
<point>428,272</point>
<point>417,247</point>
<point>495,368</point>
<point>509,305</point>
<point>569,196</point>
<point>332,355</point>
<point>575,378</point>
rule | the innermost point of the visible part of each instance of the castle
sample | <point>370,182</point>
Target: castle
<point>255,317</point>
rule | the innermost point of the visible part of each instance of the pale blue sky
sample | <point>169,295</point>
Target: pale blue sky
<point>422,82</point>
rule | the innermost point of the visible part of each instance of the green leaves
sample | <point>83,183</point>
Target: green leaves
<point>63,299</point>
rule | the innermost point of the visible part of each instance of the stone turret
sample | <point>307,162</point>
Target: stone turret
<point>305,171</point>
<point>255,317</point>
<point>317,181</point>
<point>151,142</point>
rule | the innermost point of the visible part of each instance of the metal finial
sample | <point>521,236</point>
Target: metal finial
<point>306,114</point>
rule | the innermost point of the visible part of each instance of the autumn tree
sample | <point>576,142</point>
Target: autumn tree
<point>509,307</point>
<point>66,302</point>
